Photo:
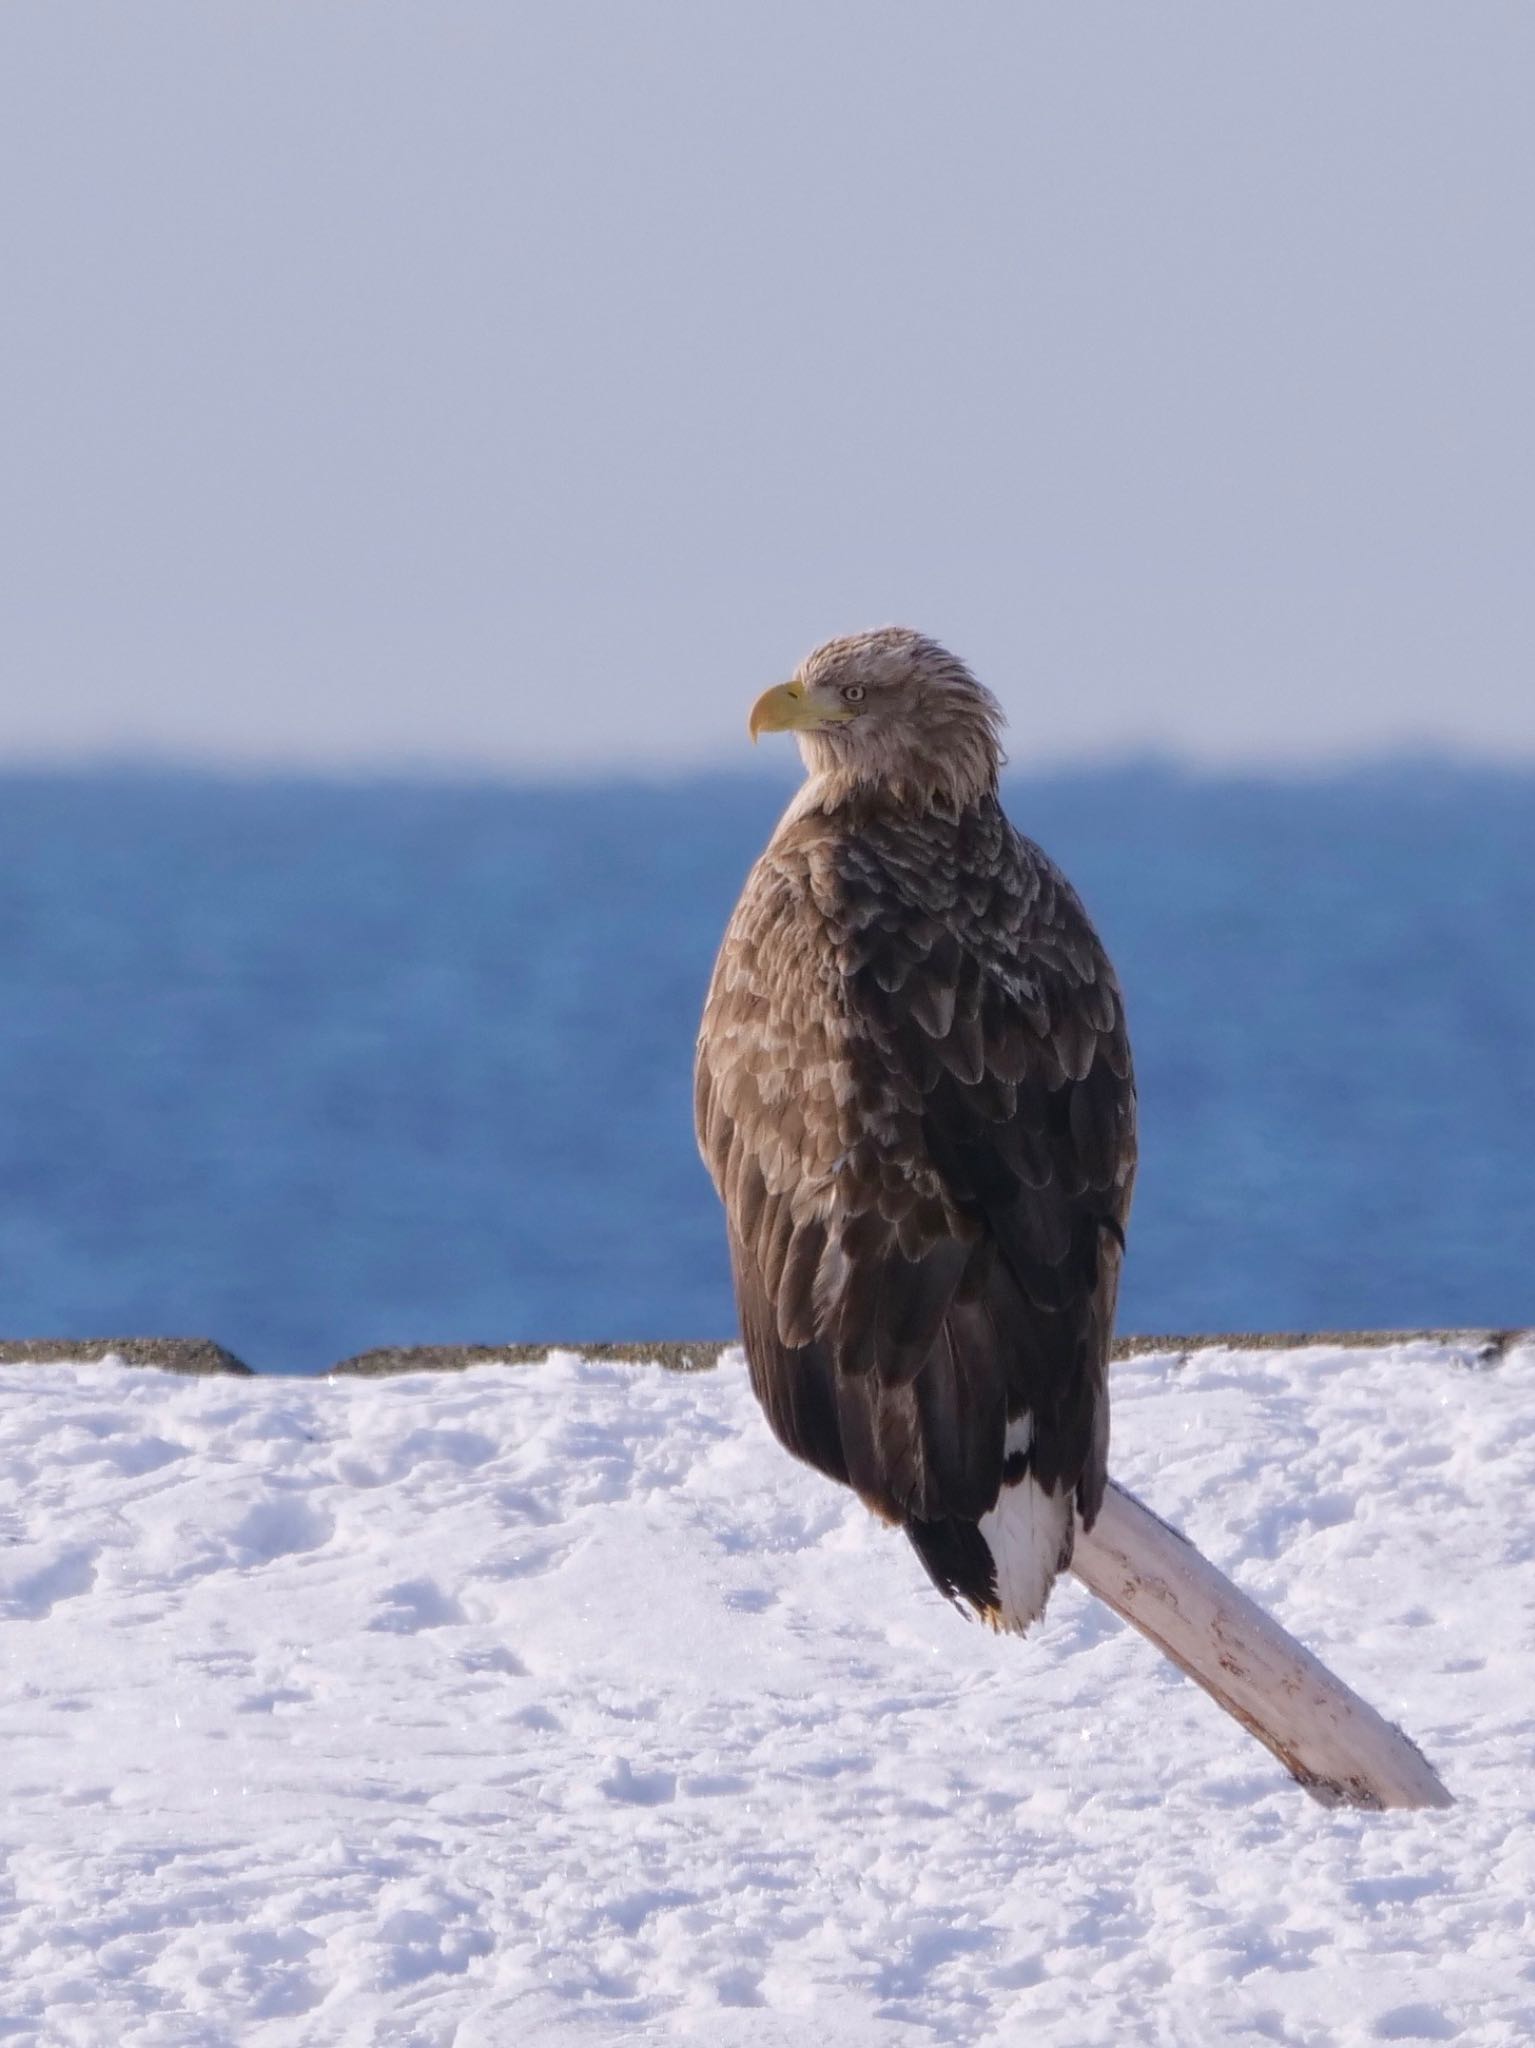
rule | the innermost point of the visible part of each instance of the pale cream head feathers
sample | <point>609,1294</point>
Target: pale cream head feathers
<point>892,709</point>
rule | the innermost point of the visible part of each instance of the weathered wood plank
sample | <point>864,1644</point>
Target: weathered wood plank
<point>1331,1742</point>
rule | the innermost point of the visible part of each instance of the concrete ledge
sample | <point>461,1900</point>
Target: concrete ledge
<point>1483,1347</point>
<point>170,1354</point>
<point>676,1357</point>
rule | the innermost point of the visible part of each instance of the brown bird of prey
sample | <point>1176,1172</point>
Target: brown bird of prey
<point>914,1095</point>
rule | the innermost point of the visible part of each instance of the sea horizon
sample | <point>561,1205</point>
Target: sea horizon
<point>308,1064</point>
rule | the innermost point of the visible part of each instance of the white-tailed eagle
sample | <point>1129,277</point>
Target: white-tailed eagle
<point>914,1095</point>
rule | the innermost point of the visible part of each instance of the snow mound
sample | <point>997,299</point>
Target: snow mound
<point>555,1704</point>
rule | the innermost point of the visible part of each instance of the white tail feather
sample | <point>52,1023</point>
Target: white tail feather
<point>1029,1534</point>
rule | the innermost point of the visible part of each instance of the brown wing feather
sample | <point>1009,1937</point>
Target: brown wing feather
<point>915,1097</point>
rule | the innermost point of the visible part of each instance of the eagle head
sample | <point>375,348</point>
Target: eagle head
<point>893,709</point>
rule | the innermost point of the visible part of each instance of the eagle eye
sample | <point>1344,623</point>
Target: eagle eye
<point>853,693</point>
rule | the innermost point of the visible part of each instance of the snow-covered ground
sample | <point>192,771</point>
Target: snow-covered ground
<point>556,1705</point>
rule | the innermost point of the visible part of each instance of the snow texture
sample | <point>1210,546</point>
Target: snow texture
<point>556,1705</point>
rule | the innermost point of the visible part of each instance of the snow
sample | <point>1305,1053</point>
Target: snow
<point>554,1704</point>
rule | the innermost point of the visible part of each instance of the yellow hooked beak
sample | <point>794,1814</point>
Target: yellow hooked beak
<point>788,707</point>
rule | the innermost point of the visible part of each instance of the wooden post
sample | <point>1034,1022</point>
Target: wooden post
<point>1335,1746</point>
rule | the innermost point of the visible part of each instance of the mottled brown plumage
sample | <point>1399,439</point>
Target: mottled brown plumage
<point>914,1095</point>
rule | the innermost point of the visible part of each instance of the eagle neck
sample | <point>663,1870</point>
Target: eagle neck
<point>839,793</point>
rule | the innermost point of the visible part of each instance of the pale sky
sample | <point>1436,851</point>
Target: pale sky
<point>509,386</point>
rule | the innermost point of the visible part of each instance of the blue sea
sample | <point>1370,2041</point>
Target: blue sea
<point>309,1067</point>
